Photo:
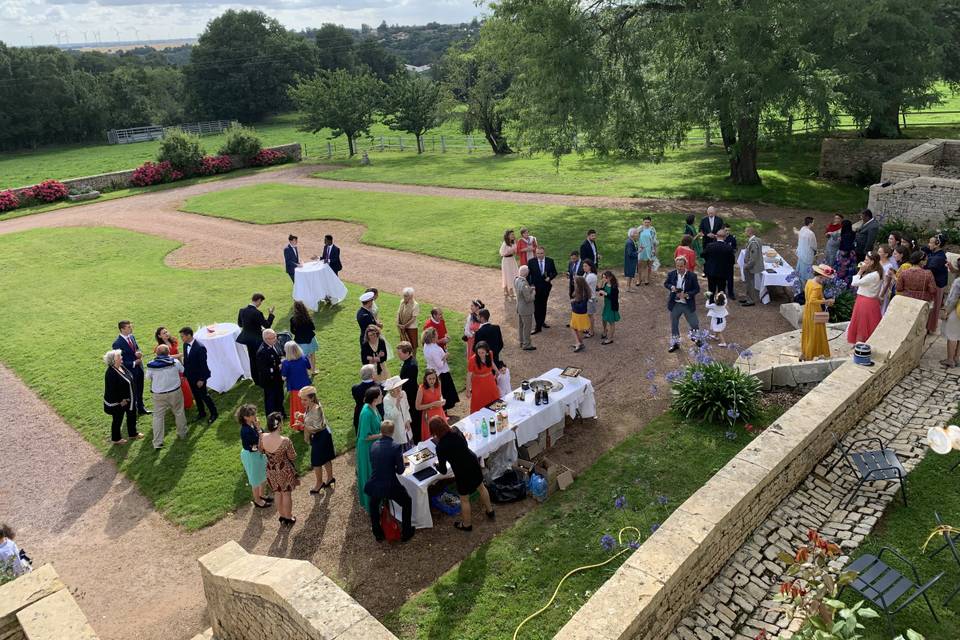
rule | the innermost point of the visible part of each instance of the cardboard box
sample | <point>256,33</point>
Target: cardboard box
<point>554,433</point>
<point>533,449</point>
<point>558,476</point>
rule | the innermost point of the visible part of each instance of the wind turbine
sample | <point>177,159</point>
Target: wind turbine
<point>136,33</point>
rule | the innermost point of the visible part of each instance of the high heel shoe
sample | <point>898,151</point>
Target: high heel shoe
<point>288,521</point>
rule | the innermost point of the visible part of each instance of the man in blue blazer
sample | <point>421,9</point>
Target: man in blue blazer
<point>386,462</point>
<point>196,371</point>
<point>291,256</point>
<point>331,254</point>
<point>683,287</point>
<point>132,360</point>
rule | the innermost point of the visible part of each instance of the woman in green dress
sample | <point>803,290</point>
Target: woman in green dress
<point>610,292</point>
<point>368,430</point>
<point>697,246</point>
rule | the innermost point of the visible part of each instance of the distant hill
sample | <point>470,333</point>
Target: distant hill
<point>415,45</point>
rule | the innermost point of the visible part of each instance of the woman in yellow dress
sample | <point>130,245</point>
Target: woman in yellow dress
<point>813,336</point>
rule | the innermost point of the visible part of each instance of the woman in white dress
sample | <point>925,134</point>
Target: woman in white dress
<point>508,262</point>
<point>951,325</point>
<point>397,410</point>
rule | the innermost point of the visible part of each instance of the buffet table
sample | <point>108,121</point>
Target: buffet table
<point>527,422</point>
<point>776,272</point>
<point>315,282</point>
<point>227,360</point>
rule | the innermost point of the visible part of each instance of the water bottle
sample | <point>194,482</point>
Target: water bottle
<point>538,487</point>
<point>476,430</point>
<point>484,428</point>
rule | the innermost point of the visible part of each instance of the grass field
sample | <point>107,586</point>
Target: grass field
<point>66,289</point>
<point>930,487</point>
<point>491,591</point>
<point>465,230</point>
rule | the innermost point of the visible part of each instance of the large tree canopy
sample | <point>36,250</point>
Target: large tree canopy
<point>243,65</point>
<point>415,104</point>
<point>340,100</point>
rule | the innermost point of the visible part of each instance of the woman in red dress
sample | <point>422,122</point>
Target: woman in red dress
<point>436,321</point>
<point>866,309</point>
<point>471,326</point>
<point>429,402</point>
<point>526,246</point>
<point>163,337</point>
<point>482,378</point>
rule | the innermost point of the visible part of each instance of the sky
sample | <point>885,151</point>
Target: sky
<point>122,20</point>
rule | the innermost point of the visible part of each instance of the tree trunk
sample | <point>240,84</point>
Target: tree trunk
<point>497,142</point>
<point>884,124</point>
<point>743,154</point>
<point>728,134</point>
<point>351,145</point>
<point>419,143</point>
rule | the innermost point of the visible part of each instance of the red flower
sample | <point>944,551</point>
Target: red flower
<point>267,157</point>
<point>154,173</point>
<point>46,191</point>
<point>8,200</point>
<point>212,165</point>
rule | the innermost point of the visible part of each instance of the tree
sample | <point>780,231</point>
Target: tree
<point>339,100</point>
<point>243,65</point>
<point>414,104</point>
<point>335,48</point>
<point>379,61</point>
<point>633,77</point>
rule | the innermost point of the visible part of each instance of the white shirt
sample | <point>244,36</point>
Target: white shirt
<point>397,410</point>
<point>867,285</point>
<point>591,279</point>
<point>10,557</point>
<point>433,355</point>
<point>164,379</point>
<point>806,245</point>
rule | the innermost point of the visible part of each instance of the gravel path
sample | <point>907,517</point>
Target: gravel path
<point>131,569</point>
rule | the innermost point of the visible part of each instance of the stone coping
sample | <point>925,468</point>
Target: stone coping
<point>660,581</point>
<point>38,606</point>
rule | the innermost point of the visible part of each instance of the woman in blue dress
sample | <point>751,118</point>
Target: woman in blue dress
<point>630,253</point>
<point>251,456</point>
<point>648,244</point>
<point>296,371</point>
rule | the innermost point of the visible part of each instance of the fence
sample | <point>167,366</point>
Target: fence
<point>428,144</point>
<point>157,132</point>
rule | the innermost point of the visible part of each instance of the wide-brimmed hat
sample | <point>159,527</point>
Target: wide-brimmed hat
<point>824,270</point>
<point>307,391</point>
<point>366,296</point>
<point>862,354</point>
<point>393,382</point>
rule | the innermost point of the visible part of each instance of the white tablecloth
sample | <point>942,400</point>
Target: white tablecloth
<point>228,361</point>
<point>764,279</point>
<point>316,281</point>
<point>527,421</point>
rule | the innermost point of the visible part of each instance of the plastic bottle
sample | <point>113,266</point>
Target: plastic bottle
<point>485,428</point>
<point>538,487</point>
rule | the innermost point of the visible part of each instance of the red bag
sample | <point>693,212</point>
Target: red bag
<point>391,528</point>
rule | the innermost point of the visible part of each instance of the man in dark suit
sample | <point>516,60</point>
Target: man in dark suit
<point>574,268</point>
<point>867,234</point>
<point>132,360</point>
<point>542,273</point>
<point>718,262</point>
<point>731,240</point>
<point>291,256</point>
<point>588,249</point>
<point>270,380</point>
<point>711,224</point>
<point>683,287</point>
<point>410,371</point>
<point>358,390</point>
<point>331,254</point>
<point>196,371</point>
<point>386,461</point>
<point>252,323</point>
<point>489,333</point>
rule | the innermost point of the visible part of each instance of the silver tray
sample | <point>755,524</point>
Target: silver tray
<point>549,385</point>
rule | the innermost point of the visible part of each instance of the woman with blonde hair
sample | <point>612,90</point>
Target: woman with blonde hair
<point>579,320</point>
<point>407,314</point>
<point>508,263</point>
<point>317,433</point>
<point>119,397</point>
<point>436,359</point>
<point>374,351</point>
<point>296,371</point>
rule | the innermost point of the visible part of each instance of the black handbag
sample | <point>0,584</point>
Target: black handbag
<point>510,487</point>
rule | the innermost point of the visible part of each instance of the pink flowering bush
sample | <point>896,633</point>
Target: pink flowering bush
<point>212,165</point>
<point>154,173</point>
<point>46,191</point>
<point>268,157</point>
<point>8,200</point>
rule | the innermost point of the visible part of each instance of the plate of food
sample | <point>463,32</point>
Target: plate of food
<point>420,456</point>
<point>497,405</point>
<point>571,372</point>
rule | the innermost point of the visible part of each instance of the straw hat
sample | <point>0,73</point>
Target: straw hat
<point>307,391</point>
<point>824,270</point>
<point>392,383</point>
<point>366,296</point>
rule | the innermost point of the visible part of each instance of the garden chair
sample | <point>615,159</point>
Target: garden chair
<point>883,586</point>
<point>872,465</point>
<point>950,541</point>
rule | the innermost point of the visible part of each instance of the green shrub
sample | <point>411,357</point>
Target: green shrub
<point>842,307</point>
<point>182,151</point>
<point>715,392</point>
<point>919,234</point>
<point>241,141</point>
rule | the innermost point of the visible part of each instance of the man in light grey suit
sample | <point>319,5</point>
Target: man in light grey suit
<point>752,265</point>
<point>525,297</point>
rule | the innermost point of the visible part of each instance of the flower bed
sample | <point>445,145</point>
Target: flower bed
<point>150,173</point>
<point>212,165</point>
<point>8,200</point>
<point>46,191</point>
<point>268,157</point>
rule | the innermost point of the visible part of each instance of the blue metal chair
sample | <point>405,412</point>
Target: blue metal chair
<point>883,586</point>
<point>880,464</point>
<point>951,543</point>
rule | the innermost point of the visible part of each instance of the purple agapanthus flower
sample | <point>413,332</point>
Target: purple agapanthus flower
<point>730,435</point>
<point>746,354</point>
<point>733,414</point>
<point>697,376</point>
<point>620,502</point>
<point>676,374</point>
<point>654,527</point>
<point>662,500</point>
<point>608,542</point>
<point>654,390</point>
<point>634,544</point>
<point>651,374</point>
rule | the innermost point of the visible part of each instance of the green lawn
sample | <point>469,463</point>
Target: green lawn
<point>514,574</point>
<point>930,487</point>
<point>789,176</point>
<point>465,230</point>
<point>66,289</point>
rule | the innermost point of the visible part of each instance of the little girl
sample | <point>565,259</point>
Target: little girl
<point>717,312</point>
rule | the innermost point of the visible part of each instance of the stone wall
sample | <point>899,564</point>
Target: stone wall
<point>914,192</point>
<point>650,592</point>
<point>252,597</point>
<point>847,158</point>
<point>121,179</point>
<point>38,606</point>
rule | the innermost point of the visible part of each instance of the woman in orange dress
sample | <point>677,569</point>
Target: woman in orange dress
<point>163,337</point>
<point>429,402</point>
<point>526,246</point>
<point>482,378</point>
<point>471,325</point>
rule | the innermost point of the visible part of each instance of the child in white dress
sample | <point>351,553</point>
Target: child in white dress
<point>717,312</point>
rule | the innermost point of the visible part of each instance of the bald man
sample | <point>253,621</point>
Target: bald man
<point>269,378</point>
<point>711,224</point>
